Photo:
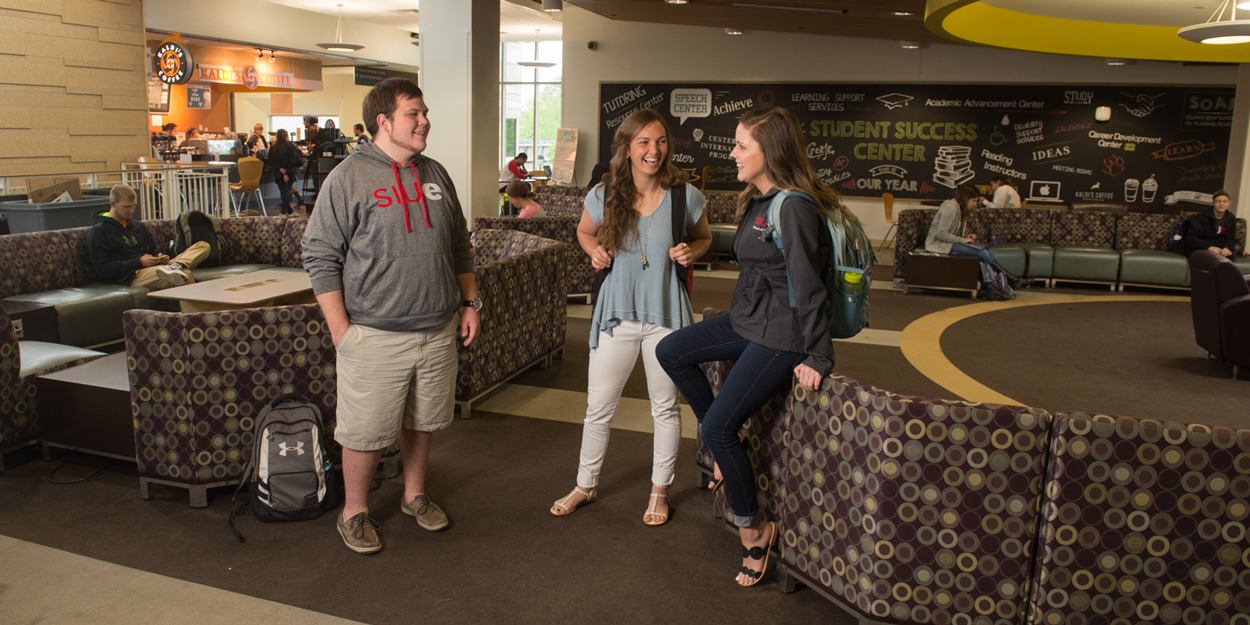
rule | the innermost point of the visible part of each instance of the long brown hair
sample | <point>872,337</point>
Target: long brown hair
<point>962,195</point>
<point>620,220</point>
<point>778,132</point>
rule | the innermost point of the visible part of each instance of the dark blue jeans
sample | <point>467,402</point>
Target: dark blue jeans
<point>758,374</point>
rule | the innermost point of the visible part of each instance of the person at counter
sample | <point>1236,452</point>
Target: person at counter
<point>169,128</point>
<point>257,141</point>
<point>1215,232</point>
<point>311,129</point>
<point>361,137</point>
<point>1005,193</point>
<point>284,162</point>
<point>122,250</point>
<point>192,135</point>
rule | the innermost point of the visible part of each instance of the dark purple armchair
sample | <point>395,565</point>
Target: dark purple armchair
<point>1220,299</point>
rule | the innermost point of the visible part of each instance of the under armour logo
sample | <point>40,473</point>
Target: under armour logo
<point>298,448</point>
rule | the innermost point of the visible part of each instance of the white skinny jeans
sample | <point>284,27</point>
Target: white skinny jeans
<point>610,366</point>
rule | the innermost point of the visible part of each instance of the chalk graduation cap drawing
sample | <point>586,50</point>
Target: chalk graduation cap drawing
<point>895,100</point>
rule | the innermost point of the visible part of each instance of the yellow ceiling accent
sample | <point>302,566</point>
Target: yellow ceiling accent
<point>972,21</point>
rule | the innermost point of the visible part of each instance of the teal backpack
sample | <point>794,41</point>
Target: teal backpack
<point>848,275</point>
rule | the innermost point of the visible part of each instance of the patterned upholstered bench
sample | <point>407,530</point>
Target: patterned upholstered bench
<point>901,509</point>
<point>1143,522</point>
<point>1116,249</point>
<point>52,267</point>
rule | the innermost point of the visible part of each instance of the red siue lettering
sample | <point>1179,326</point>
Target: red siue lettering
<point>381,195</point>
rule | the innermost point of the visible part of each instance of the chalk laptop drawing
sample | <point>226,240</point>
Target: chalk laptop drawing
<point>1045,191</point>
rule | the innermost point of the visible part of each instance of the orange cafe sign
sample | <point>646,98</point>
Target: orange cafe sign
<point>249,77</point>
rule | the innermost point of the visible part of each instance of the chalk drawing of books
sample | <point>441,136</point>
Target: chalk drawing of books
<point>952,166</point>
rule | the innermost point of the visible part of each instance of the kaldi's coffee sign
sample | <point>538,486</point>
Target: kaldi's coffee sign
<point>249,77</point>
<point>173,62</point>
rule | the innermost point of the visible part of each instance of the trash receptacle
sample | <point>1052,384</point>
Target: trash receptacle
<point>26,217</point>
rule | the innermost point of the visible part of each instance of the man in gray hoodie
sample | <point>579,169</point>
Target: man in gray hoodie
<point>389,256</point>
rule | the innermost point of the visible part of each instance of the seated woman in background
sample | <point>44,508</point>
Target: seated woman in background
<point>522,199</point>
<point>1005,193</point>
<point>946,233</point>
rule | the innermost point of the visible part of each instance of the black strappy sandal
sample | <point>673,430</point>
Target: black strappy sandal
<point>758,553</point>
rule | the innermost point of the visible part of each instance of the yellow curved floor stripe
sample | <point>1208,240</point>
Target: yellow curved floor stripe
<point>921,340</point>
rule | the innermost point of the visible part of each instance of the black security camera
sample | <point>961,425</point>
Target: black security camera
<point>593,45</point>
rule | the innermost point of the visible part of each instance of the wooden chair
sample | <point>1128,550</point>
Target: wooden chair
<point>888,201</point>
<point>250,169</point>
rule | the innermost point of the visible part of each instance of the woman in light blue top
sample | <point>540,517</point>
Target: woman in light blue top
<point>627,228</point>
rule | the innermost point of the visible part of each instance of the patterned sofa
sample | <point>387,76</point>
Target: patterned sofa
<point>52,267</point>
<point>913,510</point>
<point>20,362</point>
<point>1101,247</point>
<point>198,380</point>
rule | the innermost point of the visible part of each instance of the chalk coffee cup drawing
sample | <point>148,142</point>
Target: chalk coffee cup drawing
<point>1130,189</point>
<point>1148,189</point>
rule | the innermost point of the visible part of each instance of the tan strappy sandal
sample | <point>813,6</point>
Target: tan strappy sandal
<point>653,507</point>
<point>561,507</point>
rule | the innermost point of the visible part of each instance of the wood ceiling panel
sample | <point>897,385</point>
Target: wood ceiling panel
<point>873,19</point>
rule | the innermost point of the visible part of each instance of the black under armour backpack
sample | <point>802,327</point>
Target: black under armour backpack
<point>192,227</point>
<point>290,477</point>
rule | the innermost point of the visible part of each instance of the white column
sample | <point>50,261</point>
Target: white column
<point>1236,182</point>
<point>460,78</point>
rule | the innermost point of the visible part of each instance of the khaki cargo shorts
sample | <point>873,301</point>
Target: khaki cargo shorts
<point>388,380</point>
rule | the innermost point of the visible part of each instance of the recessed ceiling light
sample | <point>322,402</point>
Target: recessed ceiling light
<point>909,45</point>
<point>1114,62</point>
<point>733,31</point>
<point>904,13</point>
<point>677,1</point>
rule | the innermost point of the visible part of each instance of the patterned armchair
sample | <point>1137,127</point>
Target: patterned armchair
<point>521,280</point>
<point>198,381</point>
<point>560,201</point>
<point>581,276</point>
<point>1143,522</point>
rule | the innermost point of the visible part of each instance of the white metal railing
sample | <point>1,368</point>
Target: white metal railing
<point>167,190</point>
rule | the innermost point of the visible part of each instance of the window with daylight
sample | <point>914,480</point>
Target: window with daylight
<point>529,99</point>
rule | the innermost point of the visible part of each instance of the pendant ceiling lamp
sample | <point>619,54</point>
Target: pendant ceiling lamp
<point>1217,30</point>
<point>338,45</point>
<point>536,62</point>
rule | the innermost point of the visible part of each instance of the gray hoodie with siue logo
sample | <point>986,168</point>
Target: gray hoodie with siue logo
<point>392,237</point>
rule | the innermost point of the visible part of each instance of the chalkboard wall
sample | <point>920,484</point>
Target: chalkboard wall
<point>1162,143</point>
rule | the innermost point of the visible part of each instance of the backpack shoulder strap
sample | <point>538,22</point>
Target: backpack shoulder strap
<point>677,194</point>
<point>773,227</point>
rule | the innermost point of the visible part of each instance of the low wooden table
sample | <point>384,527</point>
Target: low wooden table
<point>87,408</point>
<point>267,287</point>
<point>32,321</point>
<point>951,273</point>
